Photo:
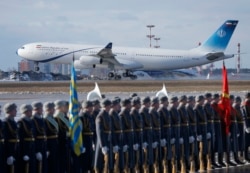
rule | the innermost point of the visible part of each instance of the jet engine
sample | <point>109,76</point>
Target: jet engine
<point>90,60</point>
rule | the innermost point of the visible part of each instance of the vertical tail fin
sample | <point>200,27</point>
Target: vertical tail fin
<point>220,39</point>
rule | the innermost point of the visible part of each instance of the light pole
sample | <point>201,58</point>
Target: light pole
<point>156,39</point>
<point>150,36</point>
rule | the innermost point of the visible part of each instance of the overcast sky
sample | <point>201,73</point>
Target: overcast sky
<point>179,24</point>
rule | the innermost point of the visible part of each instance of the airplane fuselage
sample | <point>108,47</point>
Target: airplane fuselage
<point>144,58</point>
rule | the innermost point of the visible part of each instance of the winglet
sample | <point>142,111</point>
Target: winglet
<point>109,46</point>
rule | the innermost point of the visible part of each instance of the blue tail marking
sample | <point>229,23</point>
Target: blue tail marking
<point>220,39</point>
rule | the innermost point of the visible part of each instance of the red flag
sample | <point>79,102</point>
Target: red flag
<point>225,101</point>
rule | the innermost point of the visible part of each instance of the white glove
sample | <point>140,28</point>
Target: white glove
<point>172,141</point>
<point>144,145</point>
<point>154,144</point>
<point>163,142</point>
<point>39,156</point>
<point>199,138</point>
<point>191,139</point>
<point>83,149</point>
<point>10,160</point>
<point>248,130</point>
<point>115,149</point>
<point>93,147</point>
<point>135,147</point>
<point>47,154</point>
<point>105,150</point>
<point>26,158</point>
<point>125,148</point>
<point>208,135</point>
<point>181,140</point>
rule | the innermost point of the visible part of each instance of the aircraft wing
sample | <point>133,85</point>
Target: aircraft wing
<point>107,55</point>
<point>109,58</point>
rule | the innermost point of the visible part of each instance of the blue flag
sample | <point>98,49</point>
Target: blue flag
<point>75,122</point>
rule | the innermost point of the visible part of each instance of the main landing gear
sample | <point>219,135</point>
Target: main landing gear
<point>116,76</point>
<point>36,67</point>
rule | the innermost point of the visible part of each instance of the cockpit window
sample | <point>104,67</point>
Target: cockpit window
<point>23,47</point>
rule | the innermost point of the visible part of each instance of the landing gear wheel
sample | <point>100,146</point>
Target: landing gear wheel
<point>111,74</point>
<point>37,68</point>
<point>133,77</point>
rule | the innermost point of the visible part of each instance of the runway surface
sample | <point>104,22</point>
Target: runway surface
<point>237,169</point>
<point>123,86</point>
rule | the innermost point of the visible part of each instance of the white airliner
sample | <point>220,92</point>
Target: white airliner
<point>131,59</point>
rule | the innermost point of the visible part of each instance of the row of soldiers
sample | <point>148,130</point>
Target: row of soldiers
<point>129,135</point>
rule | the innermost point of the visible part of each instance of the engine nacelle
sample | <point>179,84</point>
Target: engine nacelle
<point>89,60</point>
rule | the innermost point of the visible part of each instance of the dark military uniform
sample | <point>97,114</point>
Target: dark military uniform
<point>218,147</point>
<point>240,121</point>
<point>165,133</point>
<point>104,146</point>
<point>156,125</point>
<point>27,144</point>
<point>40,142</point>
<point>128,134</point>
<point>234,134</point>
<point>11,142</point>
<point>193,131</point>
<point>184,125</point>
<point>64,141</point>
<point>52,130</point>
<point>138,132</point>
<point>147,133</point>
<point>88,140</point>
<point>117,138</point>
<point>2,161</point>
<point>201,130</point>
<point>246,109</point>
<point>210,127</point>
<point>175,121</point>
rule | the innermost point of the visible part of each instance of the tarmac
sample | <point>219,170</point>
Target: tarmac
<point>236,169</point>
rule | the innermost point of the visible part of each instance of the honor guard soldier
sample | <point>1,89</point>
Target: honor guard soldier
<point>52,130</point>
<point>202,134</point>
<point>240,121</point>
<point>96,108</point>
<point>210,129</point>
<point>147,136</point>
<point>194,166</point>
<point>2,161</point>
<point>156,125</point>
<point>27,140</point>
<point>218,147</point>
<point>63,135</point>
<point>95,112</point>
<point>166,134</point>
<point>184,125</point>
<point>128,135</point>
<point>104,153</point>
<point>138,133</point>
<point>11,138</point>
<point>40,137</point>
<point>117,138</point>
<point>246,108</point>
<point>175,119</point>
<point>234,132</point>
<point>87,157</point>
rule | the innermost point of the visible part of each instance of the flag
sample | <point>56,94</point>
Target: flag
<point>75,122</point>
<point>224,105</point>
